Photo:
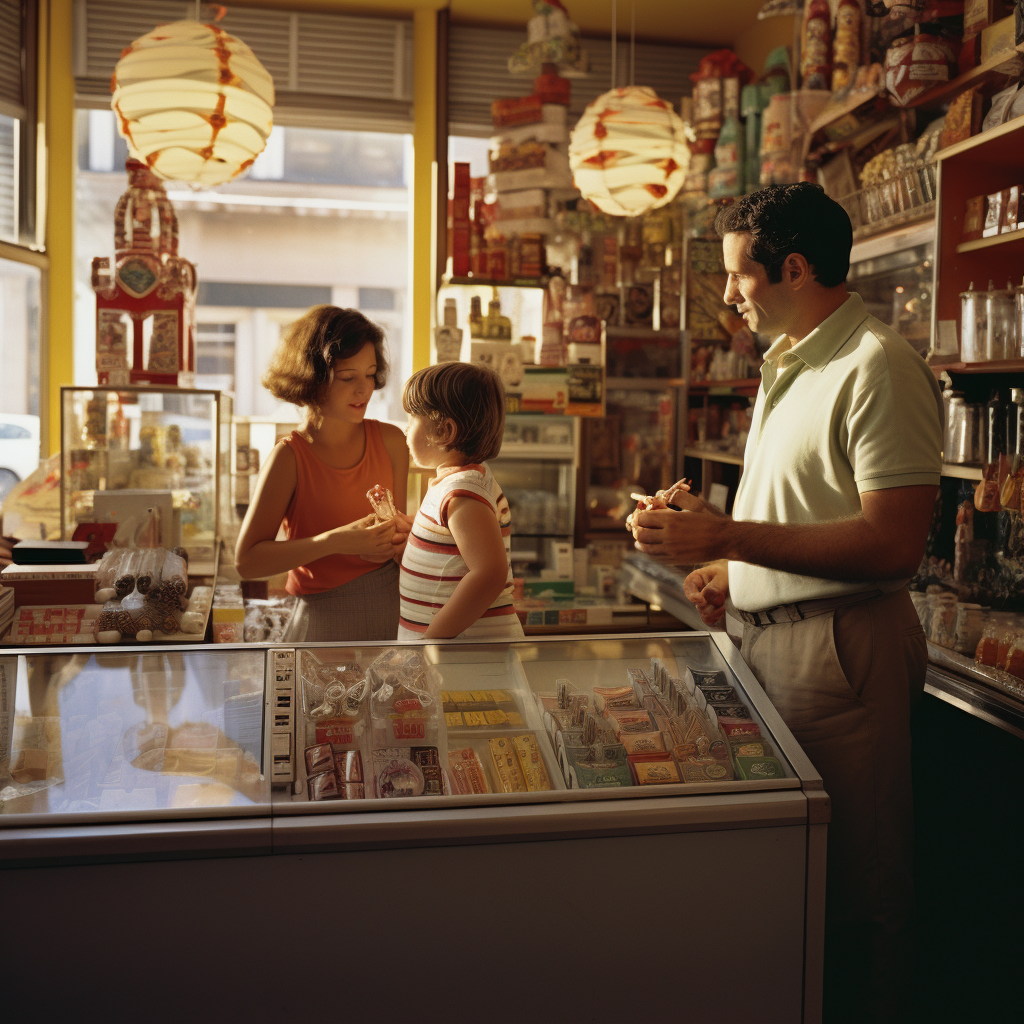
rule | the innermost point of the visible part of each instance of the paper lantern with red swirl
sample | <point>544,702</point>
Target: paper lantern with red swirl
<point>628,152</point>
<point>193,102</point>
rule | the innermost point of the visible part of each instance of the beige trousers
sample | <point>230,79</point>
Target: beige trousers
<point>846,682</point>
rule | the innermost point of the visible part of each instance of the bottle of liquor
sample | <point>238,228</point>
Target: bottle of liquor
<point>448,336</point>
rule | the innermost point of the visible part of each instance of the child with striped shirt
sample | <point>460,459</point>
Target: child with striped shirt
<point>456,578</point>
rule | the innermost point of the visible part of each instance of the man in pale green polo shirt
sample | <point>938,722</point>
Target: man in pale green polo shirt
<point>830,521</point>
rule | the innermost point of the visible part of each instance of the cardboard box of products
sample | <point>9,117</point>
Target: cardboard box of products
<point>997,38</point>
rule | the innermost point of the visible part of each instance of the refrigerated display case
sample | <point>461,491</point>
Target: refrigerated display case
<point>124,449</point>
<point>536,468</point>
<point>499,825</point>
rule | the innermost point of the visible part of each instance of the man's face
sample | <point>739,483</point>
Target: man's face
<point>765,307</point>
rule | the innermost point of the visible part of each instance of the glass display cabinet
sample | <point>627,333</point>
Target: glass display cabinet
<point>580,795</point>
<point>128,449</point>
<point>537,472</point>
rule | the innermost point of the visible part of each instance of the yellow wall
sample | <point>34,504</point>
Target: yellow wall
<point>756,41</point>
<point>424,141</point>
<point>59,112</point>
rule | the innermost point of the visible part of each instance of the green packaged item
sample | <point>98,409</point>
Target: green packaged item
<point>755,768</point>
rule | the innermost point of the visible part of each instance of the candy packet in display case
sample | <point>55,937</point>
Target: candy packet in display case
<point>333,773</point>
<point>405,700</point>
<point>407,771</point>
<point>602,766</point>
<point>466,772</point>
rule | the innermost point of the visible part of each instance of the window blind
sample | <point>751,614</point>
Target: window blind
<point>12,97</point>
<point>329,70</point>
<point>478,73</point>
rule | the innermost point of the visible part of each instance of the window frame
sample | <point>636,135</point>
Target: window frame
<point>30,248</point>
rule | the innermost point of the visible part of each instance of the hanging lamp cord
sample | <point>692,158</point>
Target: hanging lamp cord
<point>632,42</point>
<point>614,75</point>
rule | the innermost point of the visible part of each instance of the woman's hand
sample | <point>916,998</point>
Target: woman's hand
<point>403,527</point>
<point>363,538</point>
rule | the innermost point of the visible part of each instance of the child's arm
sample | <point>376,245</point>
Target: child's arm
<point>475,529</point>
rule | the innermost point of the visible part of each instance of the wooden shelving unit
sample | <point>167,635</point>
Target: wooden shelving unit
<point>712,455</point>
<point>724,387</point>
<point>993,366</point>
<point>644,383</point>
<point>962,472</point>
<point>1006,238</point>
<point>995,74</point>
<point>981,165</point>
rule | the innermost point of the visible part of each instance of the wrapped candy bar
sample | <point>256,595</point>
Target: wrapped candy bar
<point>466,772</point>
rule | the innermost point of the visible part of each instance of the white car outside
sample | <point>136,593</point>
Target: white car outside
<point>19,449</point>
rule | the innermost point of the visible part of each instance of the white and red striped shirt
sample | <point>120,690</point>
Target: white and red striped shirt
<point>432,566</point>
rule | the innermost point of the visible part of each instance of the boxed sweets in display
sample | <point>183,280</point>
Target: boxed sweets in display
<point>421,721</point>
<point>168,447</point>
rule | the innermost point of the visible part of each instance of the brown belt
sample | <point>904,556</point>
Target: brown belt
<point>804,609</point>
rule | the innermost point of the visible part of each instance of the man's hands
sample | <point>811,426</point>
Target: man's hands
<point>696,534</point>
<point>707,588</point>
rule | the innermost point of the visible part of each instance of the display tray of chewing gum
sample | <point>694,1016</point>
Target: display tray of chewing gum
<point>656,729</point>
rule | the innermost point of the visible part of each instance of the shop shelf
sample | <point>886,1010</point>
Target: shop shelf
<point>833,114</point>
<point>961,472</point>
<point>644,383</point>
<point>983,243</point>
<point>529,450</point>
<point>981,139</point>
<point>993,366</point>
<point>993,75</point>
<point>488,282</point>
<point>723,386</point>
<point>626,331</point>
<point>883,242</point>
<point>713,455</point>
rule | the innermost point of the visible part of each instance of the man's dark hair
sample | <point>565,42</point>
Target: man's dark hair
<point>783,219</point>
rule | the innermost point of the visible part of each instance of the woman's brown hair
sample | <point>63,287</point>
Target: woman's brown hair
<point>303,362</point>
<point>471,396</point>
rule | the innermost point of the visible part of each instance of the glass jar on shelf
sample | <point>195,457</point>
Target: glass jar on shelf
<point>999,323</point>
<point>973,327</point>
<point>1018,301</point>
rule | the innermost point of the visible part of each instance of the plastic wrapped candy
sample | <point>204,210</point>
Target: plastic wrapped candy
<point>404,700</point>
<point>382,502</point>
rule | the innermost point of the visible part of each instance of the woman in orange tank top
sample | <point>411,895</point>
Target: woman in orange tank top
<point>341,566</point>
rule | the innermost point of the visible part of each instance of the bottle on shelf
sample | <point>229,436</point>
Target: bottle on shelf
<point>476,318</point>
<point>1018,302</point>
<point>995,431</point>
<point>999,334</point>
<point>496,327</point>
<point>448,335</point>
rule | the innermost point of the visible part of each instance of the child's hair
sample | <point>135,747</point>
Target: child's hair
<point>471,396</point>
<point>303,363</point>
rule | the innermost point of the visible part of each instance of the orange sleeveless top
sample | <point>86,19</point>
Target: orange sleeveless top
<point>326,498</point>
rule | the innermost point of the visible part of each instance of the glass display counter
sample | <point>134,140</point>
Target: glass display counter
<point>126,449</point>
<point>543,792</point>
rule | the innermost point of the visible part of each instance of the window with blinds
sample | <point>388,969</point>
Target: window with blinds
<point>330,70</point>
<point>17,122</point>
<point>478,73</point>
